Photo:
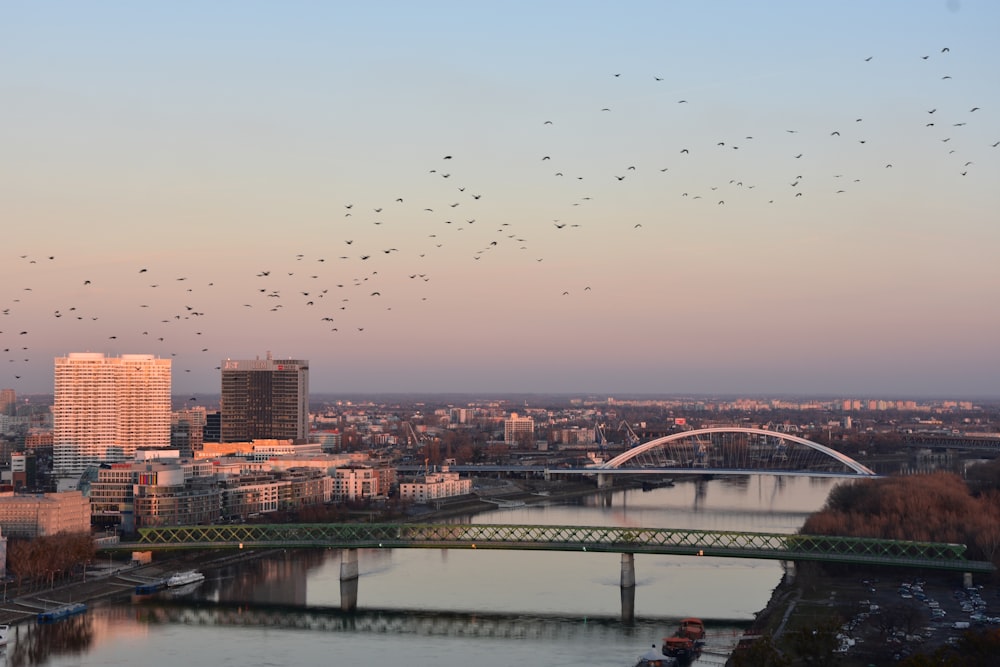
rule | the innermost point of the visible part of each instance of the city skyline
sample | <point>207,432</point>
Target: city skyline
<point>653,198</point>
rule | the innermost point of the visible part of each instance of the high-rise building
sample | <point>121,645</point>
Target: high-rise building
<point>106,407</point>
<point>187,430</point>
<point>264,399</point>
<point>518,430</point>
<point>213,427</point>
<point>8,400</point>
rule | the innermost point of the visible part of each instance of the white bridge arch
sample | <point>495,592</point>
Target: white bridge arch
<point>736,448</point>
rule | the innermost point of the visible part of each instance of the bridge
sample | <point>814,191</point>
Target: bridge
<point>685,542</point>
<point>736,450</point>
<point>977,443</point>
<point>722,450</point>
<point>628,542</point>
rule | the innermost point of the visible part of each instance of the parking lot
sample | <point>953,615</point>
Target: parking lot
<point>890,619</point>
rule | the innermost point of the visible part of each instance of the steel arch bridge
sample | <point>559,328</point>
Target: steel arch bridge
<point>738,449</point>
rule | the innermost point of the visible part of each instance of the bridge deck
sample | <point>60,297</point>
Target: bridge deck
<point>730,544</point>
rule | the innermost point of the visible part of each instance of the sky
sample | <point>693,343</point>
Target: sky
<point>644,197</point>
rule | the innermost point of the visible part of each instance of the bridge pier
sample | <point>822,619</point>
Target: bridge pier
<point>604,481</point>
<point>628,571</point>
<point>628,588</point>
<point>348,579</point>
<point>789,566</point>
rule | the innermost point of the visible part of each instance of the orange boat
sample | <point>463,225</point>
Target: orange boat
<point>681,648</point>
<point>692,628</point>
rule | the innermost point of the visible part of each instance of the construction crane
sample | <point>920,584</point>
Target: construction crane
<point>633,439</point>
<point>411,434</point>
<point>599,438</point>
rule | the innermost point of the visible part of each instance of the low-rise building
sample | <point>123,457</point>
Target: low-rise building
<point>32,515</point>
<point>356,482</point>
<point>434,486</point>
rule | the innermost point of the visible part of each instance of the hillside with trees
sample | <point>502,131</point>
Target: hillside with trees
<point>937,507</point>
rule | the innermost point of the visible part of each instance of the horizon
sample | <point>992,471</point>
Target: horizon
<point>589,396</point>
<point>792,199</point>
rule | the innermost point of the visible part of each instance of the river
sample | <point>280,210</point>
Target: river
<point>456,607</point>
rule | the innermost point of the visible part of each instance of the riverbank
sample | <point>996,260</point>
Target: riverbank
<point>874,618</point>
<point>792,606</point>
<point>119,579</point>
<point>113,580</point>
<point>490,494</point>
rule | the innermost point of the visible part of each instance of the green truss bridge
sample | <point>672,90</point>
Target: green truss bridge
<point>685,542</point>
<point>349,538</point>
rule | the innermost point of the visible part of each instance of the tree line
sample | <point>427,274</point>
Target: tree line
<point>46,558</point>
<point>936,507</point>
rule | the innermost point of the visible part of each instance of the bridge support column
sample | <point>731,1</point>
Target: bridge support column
<point>348,579</point>
<point>628,571</point>
<point>604,481</point>
<point>967,580</point>
<point>789,566</point>
<point>628,588</point>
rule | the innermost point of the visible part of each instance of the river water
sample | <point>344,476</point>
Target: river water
<point>456,607</point>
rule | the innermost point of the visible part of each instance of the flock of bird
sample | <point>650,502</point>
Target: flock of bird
<point>367,258</point>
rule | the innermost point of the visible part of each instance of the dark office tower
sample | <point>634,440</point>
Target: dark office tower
<point>265,398</point>
<point>213,427</point>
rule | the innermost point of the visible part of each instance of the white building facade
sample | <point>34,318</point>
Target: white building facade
<point>518,429</point>
<point>106,407</point>
<point>434,486</point>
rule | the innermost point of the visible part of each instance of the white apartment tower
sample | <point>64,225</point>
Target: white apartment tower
<point>518,430</point>
<point>106,407</point>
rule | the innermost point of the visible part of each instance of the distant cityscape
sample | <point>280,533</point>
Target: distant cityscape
<point>113,451</point>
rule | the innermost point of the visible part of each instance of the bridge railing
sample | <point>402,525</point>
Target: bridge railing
<point>733,544</point>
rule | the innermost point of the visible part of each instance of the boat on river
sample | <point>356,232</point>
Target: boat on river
<point>61,612</point>
<point>150,587</point>
<point>692,628</point>
<point>184,578</point>
<point>180,591</point>
<point>682,649</point>
<point>655,658</point>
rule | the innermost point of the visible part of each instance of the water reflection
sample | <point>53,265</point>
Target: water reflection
<point>37,644</point>
<point>492,608</point>
<point>281,578</point>
<point>398,621</point>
